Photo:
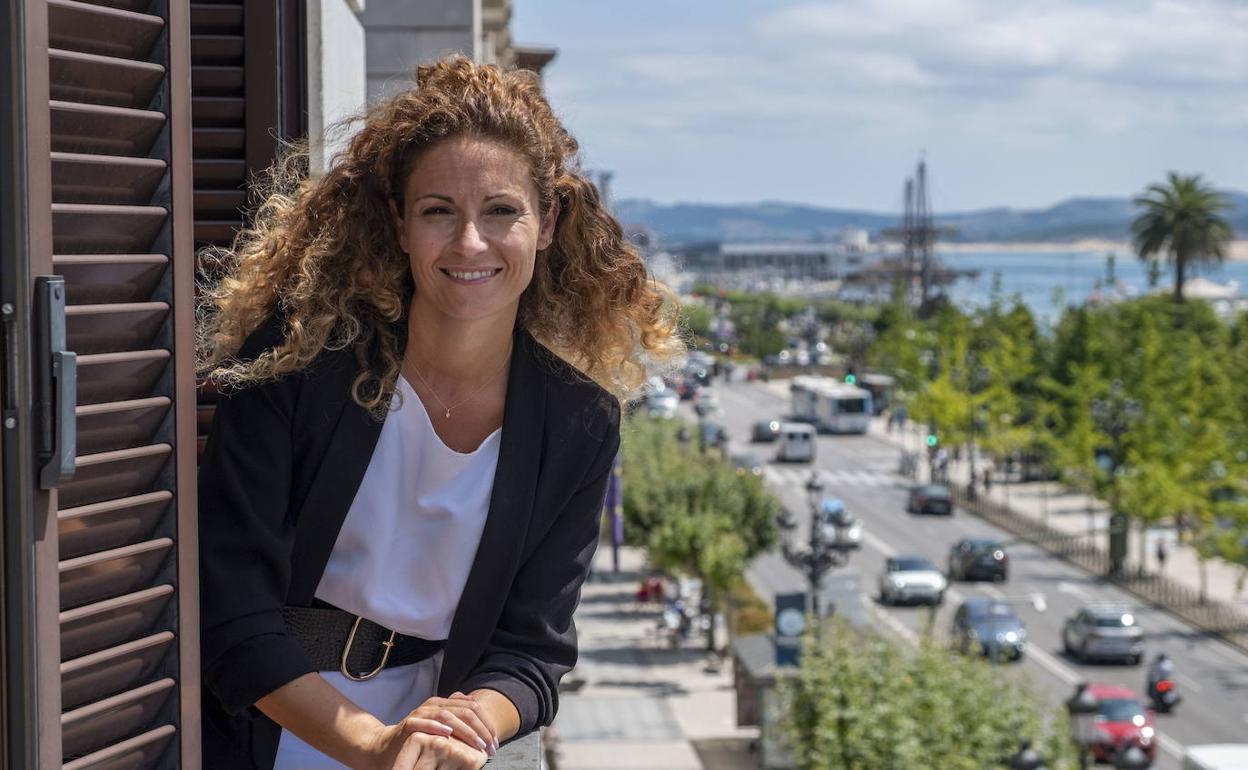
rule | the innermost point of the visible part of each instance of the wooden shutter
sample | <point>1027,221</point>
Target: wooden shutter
<point>112,78</point>
<point>247,79</point>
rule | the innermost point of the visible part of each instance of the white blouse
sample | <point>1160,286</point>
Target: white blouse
<point>402,557</point>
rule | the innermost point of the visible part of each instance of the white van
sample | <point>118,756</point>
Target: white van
<point>1216,756</point>
<point>796,442</point>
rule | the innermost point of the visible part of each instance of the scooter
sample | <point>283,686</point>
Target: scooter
<point>1164,695</point>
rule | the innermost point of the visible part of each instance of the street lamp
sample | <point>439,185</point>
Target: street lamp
<point>1027,758</point>
<point>1114,416</point>
<point>1083,707</point>
<point>821,553</point>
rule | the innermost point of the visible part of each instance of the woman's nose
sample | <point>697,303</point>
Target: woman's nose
<point>469,239</point>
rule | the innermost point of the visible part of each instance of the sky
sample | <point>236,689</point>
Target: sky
<point>1014,103</point>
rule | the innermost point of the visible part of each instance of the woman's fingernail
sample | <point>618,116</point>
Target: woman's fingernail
<point>481,744</point>
<point>495,742</point>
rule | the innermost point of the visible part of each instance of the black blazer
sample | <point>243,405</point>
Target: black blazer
<point>281,467</point>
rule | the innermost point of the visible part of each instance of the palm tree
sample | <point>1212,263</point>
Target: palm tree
<point>1182,218</point>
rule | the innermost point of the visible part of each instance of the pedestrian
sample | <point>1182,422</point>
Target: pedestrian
<point>1180,526</point>
<point>1162,551</point>
<point>421,356</point>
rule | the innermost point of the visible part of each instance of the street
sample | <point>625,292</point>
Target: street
<point>861,470</point>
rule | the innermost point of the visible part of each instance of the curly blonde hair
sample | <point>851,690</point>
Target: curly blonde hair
<point>324,253</point>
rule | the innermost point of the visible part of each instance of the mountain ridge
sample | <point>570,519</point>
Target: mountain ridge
<point>1068,220</point>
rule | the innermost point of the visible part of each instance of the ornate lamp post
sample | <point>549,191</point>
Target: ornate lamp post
<point>822,553</point>
<point>1114,416</point>
<point>1083,707</point>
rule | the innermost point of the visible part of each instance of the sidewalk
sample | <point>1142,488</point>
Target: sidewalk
<point>1076,513</point>
<point>630,704</point>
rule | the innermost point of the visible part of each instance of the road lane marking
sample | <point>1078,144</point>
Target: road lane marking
<point>1067,587</point>
<point>1191,684</point>
<point>1169,745</point>
<point>993,591</point>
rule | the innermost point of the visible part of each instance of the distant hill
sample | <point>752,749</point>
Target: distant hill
<point>1069,220</point>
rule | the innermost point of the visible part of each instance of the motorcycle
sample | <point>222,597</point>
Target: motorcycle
<point>1164,695</point>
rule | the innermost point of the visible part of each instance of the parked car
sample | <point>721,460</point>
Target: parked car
<point>706,402</point>
<point>911,579</point>
<point>1103,631</point>
<point>977,558</point>
<point>1121,720</point>
<point>989,626</point>
<point>765,431</point>
<point>840,526</point>
<point>663,405</point>
<point>930,498</point>
<point>747,463</point>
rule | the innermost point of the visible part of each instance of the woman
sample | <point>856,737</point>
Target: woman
<point>399,498</point>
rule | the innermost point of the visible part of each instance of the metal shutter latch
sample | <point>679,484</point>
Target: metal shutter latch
<point>57,393</point>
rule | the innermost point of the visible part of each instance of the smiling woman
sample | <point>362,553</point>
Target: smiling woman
<point>421,356</point>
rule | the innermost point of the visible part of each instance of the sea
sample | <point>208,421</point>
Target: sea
<point>1050,280</point>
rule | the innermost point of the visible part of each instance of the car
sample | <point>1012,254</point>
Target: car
<point>989,626</point>
<point>765,431</point>
<point>1103,631</point>
<point>978,558</point>
<point>712,435</point>
<point>747,463</point>
<point>839,525</point>
<point>911,579</point>
<point>662,405</point>
<point>1121,719</point>
<point>706,402</point>
<point>930,498</point>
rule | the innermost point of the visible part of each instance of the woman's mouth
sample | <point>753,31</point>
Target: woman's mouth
<point>470,277</point>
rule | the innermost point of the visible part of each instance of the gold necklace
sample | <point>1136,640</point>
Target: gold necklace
<point>465,399</point>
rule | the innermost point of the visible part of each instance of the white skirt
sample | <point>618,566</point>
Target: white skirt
<point>390,696</point>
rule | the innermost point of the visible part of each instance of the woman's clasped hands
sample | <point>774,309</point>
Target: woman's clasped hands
<point>441,734</point>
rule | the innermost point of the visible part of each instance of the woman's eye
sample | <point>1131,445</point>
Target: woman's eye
<point>436,210</point>
<point>506,211</point>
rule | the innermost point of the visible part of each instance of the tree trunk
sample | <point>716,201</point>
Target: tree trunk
<point>1180,267</point>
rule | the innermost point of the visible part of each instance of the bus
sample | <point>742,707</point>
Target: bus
<point>802,397</point>
<point>841,408</point>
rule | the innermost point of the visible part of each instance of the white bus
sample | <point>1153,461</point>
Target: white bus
<point>802,396</point>
<point>841,408</point>
<point>1216,756</point>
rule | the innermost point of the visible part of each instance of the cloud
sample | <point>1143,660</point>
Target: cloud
<point>1055,90</point>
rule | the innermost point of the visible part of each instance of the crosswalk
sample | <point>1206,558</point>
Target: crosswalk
<point>791,476</point>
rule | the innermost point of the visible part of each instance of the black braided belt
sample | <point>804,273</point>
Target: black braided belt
<point>336,640</point>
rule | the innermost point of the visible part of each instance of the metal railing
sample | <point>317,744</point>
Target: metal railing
<point>1084,549</point>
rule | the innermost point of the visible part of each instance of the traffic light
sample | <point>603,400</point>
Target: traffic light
<point>851,378</point>
<point>932,440</point>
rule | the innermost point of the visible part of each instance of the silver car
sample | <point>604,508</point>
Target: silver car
<point>1103,631</point>
<point>911,579</point>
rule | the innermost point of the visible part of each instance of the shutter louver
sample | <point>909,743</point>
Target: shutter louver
<point>120,179</point>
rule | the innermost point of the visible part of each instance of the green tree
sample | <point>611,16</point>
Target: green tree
<point>861,702</point>
<point>695,514</point>
<point>1183,219</point>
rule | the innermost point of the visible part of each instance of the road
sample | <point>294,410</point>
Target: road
<point>861,471</point>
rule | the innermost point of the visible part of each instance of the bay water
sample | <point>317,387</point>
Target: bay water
<point>1048,280</point>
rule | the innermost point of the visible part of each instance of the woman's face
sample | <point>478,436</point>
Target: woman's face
<point>471,228</point>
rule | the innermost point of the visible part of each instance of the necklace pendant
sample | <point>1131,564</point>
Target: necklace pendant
<point>448,414</point>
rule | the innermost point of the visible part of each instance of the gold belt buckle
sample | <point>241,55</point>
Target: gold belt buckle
<point>346,650</point>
